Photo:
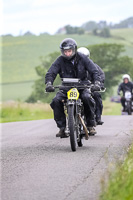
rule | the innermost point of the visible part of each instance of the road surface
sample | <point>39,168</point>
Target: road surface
<point>38,166</point>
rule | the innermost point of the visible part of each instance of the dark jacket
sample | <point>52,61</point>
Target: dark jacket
<point>101,74</point>
<point>66,69</point>
<point>125,87</point>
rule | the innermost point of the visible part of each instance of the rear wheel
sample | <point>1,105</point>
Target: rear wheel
<point>129,112</point>
<point>80,135</point>
<point>129,109</point>
<point>71,124</point>
<point>80,144</point>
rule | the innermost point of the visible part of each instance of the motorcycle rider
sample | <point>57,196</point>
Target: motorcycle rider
<point>96,95</point>
<point>72,64</point>
<point>126,85</point>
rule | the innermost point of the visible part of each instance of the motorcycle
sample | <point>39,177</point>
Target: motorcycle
<point>128,102</point>
<point>74,111</point>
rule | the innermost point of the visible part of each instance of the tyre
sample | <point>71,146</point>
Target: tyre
<point>71,124</point>
<point>80,137</point>
<point>129,112</point>
<point>129,109</point>
<point>80,144</point>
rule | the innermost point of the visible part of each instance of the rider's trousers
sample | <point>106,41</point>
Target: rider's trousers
<point>99,105</point>
<point>58,108</point>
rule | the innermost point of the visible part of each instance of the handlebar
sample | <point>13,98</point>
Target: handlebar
<point>103,90</point>
<point>64,87</point>
<point>81,87</point>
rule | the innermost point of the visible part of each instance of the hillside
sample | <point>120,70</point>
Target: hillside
<point>91,25</point>
<point>20,56</point>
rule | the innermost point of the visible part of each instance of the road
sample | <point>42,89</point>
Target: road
<point>38,166</point>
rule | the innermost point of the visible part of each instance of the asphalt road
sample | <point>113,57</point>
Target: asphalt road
<point>38,166</point>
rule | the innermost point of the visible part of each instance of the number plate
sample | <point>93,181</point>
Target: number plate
<point>128,95</point>
<point>73,94</point>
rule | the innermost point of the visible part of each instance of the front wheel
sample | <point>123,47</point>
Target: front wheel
<point>71,124</point>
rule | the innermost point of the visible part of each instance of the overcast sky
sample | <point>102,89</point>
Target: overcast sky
<point>39,16</point>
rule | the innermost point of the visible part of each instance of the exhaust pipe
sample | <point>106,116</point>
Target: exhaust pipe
<point>85,128</point>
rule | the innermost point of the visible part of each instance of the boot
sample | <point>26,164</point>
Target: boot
<point>62,133</point>
<point>92,131</point>
<point>98,120</point>
<point>123,110</point>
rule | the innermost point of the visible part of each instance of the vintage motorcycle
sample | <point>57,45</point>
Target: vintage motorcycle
<point>74,110</point>
<point>128,102</point>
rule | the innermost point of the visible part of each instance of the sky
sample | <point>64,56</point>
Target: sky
<point>39,16</point>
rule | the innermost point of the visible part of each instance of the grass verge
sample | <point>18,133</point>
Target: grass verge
<point>120,185</point>
<point>15,111</point>
<point>111,108</point>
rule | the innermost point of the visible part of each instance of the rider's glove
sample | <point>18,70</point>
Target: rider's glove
<point>49,87</point>
<point>102,86</point>
<point>118,93</point>
<point>96,86</point>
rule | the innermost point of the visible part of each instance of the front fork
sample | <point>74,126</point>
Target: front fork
<point>77,112</point>
<point>68,103</point>
<point>78,106</point>
<point>67,131</point>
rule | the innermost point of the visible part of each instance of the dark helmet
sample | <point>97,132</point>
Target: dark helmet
<point>66,44</point>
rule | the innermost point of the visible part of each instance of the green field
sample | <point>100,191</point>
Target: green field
<point>20,56</point>
<point>17,91</point>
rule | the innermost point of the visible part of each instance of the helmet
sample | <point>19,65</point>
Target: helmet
<point>66,44</point>
<point>126,76</point>
<point>84,51</point>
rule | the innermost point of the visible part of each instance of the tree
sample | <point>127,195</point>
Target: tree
<point>105,32</point>
<point>107,56</point>
<point>89,26</point>
<point>74,30</point>
<point>39,85</point>
<point>95,31</point>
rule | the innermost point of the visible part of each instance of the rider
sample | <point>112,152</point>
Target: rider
<point>126,85</point>
<point>72,64</point>
<point>96,95</point>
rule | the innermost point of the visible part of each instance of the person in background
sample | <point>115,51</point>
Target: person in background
<point>126,85</point>
<point>96,95</point>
